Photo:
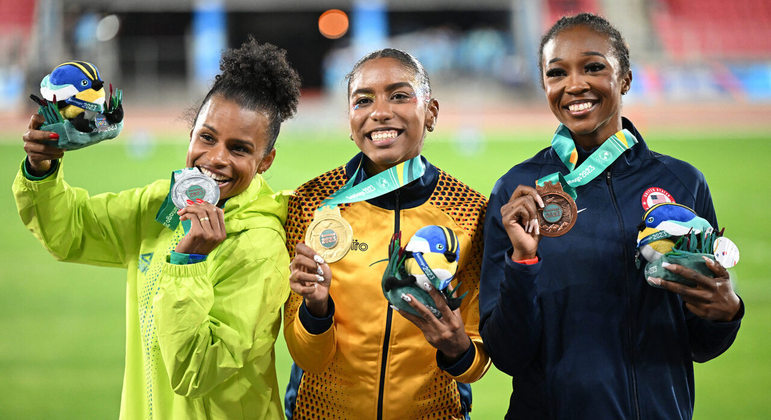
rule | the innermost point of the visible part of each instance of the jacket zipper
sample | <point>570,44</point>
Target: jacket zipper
<point>389,316</point>
<point>635,397</point>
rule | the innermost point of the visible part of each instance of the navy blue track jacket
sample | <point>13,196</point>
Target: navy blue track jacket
<point>581,332</point>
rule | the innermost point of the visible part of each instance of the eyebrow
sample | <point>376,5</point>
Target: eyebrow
<point>390,87</point>
<point>239,141</point>
<point>587,53</point>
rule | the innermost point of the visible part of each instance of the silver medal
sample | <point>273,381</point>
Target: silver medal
<point>191,184</point>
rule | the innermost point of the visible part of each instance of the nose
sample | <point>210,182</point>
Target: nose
<point>381,111</point>
<point>576,84</point>
<point>218,154</point>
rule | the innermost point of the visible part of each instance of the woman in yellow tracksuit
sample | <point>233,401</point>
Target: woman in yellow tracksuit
<point>361,358</point>
<point>202,308</point>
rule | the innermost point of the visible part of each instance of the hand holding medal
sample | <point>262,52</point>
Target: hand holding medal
<point>520,220</point>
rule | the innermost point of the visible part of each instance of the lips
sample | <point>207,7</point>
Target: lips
<point>580,107</point>
<point>221,179</point>
<point>384,137</point>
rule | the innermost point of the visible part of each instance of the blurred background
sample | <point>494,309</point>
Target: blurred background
<point>701,92</point>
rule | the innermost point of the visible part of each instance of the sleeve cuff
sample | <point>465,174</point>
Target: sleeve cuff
<point>179,258</point>
<point>461,365</point>
<point>26,170</point>
<point>313,324</point>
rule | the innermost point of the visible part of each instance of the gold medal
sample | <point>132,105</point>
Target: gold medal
<point>329,234</point>
<point>559,211</point>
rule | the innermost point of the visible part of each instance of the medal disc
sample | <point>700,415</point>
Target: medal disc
<point>559,212</point>
<point>726,252</point>
<point>191,184</point>
<point>329,234</point>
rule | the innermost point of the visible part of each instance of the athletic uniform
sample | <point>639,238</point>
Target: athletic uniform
<point>581,332</point>
<point>199,337</point>
<point>364,361</point>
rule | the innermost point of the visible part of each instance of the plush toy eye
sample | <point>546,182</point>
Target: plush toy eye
<point>84,82</point>
<point>439,247</point>
<point>650,220</point>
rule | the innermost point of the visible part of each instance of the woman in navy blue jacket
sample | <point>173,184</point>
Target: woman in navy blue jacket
<point>572,318</point>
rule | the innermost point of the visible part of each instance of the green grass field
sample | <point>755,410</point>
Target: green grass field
<point>61,352</point>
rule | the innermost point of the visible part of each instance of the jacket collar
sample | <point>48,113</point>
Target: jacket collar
<point>411,195</point>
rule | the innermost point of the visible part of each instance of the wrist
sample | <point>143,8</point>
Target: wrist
<point>37,168</point>
<point>319,309</point>
<point>526,261</point>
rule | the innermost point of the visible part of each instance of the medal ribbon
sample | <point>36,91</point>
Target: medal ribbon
<point>167,214</point>
<point>598,161</point>
<point>389,180</point>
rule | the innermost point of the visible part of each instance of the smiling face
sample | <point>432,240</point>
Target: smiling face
<point>228,144</point>
<point>584,85</point>
<point>388,114</point>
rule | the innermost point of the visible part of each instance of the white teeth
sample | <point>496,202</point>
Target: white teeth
<point>218,178</point>
<point>383,135</point>
<point>579,106</point>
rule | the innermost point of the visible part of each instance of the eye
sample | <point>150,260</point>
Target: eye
<point>555,72</point>
<point>84,82</point>
<point>402,96</point>
<point>206,137</point>
<point>361,101</point>
<point>595,67</point>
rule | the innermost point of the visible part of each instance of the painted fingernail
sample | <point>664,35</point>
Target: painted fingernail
<point>189,201</point>
<point>406,298</point>
<point>319,270</point>
<point>394,308</point>
<point>654,280</point>
<point>537,228</point>
<point>198,200</point>
<point>527,226</point>
<point>708,260</point>
<point>319,278</point>
<point>318,259</point>
<point>665,264</point>
<point>540,201</point>
<point>53,136</point>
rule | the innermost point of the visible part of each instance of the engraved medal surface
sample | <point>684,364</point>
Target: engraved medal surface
<point>191,184</point>
<point>559,212</point>
<point>329,234</point>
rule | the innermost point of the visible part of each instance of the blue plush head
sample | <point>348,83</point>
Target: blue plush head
<point>79,84</point>
<point>435,247</point>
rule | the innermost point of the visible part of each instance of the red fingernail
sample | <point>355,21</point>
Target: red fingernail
<point>189,201</point>
<point>53,136</point>
<point>198,200</point>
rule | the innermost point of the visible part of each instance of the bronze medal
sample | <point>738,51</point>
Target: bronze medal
<point>329,234</point>
<point>559,212</point>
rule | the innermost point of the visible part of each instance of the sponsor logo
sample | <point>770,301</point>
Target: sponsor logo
<point>359,246</point>
<point>144,262</point>
<point>655,195</point>
<point>368,189</point>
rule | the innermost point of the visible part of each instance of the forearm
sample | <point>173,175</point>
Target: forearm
<point>710,339</point>
<point>311,345</point>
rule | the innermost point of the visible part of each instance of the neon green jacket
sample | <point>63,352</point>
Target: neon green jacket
<point>199,337</point>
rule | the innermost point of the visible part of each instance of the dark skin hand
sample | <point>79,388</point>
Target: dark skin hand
<point>310,277</point>
<point>520,219</point>
<point>40,147</point>
<point>712,298</point>
<point>207,228</point>
<point>447,334</point>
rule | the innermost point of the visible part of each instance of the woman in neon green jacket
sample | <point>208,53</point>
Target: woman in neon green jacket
<point>203,308</point>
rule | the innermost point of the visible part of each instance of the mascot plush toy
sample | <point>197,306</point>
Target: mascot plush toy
<point>74,105</point>
<point>429,260</point>
<point>674,234</point>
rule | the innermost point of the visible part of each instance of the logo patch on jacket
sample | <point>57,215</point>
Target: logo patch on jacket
<point>144,262</point>
<point>655,195</point>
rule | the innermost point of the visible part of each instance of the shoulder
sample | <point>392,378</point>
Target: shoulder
<point>525,173</point>
<point>319,188</point>
<point>679,170</point>
<point>456,199</point>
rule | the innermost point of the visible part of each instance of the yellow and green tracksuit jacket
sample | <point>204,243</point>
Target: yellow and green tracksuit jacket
<point>365,361</point>
<point>199,337</point>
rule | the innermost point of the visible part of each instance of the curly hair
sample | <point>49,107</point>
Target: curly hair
<point>595,23</point>
<point>258,76</point>
<point>406,59</point>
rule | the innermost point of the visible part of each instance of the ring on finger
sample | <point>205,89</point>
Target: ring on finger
<point>203,219</point>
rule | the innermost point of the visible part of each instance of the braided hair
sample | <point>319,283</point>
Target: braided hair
<point>258,76</point>
<point>423,87</point>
